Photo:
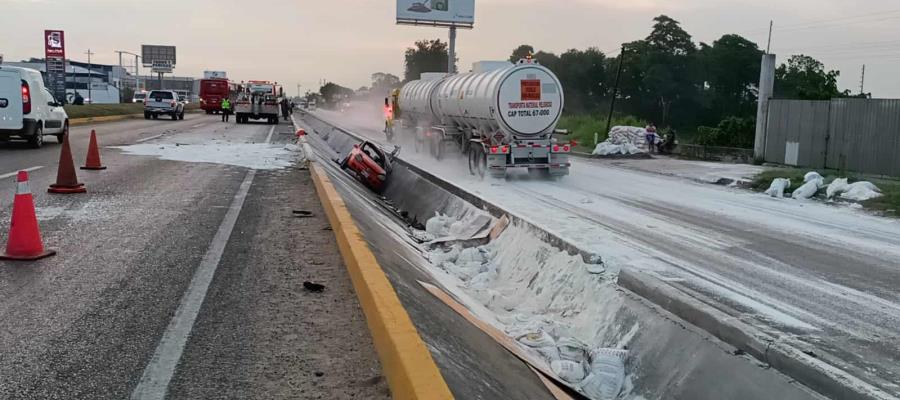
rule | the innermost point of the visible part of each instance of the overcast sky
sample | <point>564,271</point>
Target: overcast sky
<point>304,41</point>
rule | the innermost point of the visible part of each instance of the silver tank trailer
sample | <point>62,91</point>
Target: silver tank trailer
<point>505,111</point>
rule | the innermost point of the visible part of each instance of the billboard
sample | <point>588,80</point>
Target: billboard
<point>459,13</point>
<point>55,61</point>
<point>151,53</point>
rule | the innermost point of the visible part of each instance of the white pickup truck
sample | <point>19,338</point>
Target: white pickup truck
<point>163,102</point>
<point>27,109</point>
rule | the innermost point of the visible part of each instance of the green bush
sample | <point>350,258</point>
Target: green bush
<point>731,132</point>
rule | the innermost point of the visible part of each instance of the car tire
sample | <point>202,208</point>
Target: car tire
<point>154,116</point>
<point>61,136</point>
<point>37,139</point>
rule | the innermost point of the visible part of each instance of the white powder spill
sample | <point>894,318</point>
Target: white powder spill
<point>249,155</point>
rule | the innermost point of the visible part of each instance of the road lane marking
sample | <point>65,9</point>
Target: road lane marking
<point>149,138</point>
<point>197,126</point>
<point>161,368</point>
<point>11,174</point>
<point>269,138</point>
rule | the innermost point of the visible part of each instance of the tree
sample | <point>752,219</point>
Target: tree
<point>333,93</point>
<point>582,74</point>
<point>383,83</point>
<point>805,78</point>
<point>426,56</point>
<point>521,52</point>
<point>731,71</point>
<point>660,77</point>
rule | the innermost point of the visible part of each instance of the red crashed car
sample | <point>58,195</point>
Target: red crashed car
<point>370,164</point>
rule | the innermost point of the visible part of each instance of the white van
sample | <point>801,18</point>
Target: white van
<point>27,109</point>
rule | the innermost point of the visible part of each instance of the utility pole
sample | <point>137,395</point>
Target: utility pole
<point>862,80</point>
<point>769,44</point>
<point>90,76</point>
<point>451,53</point>
<point>298,89</point>
<point>612,102</point>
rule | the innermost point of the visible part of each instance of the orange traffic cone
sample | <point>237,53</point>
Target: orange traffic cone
<point>66,180</point>
<point>24,235</point>
<point>93,155</point>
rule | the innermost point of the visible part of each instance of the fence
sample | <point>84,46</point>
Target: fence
<point>861,135</point>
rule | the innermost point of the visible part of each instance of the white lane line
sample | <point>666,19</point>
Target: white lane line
<point>197,126</point>
<point>11,174</point>
<point>149,138</point>
<point>269,138</point>
<point>159,371</point>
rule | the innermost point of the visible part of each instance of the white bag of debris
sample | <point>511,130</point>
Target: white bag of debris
<point>543,343</point>
<point>836,187</point>
<point>568,371</point>
<point>471,255</point>
<point>778,186</point>
<point>813,175</point>
<point>439,256</point>
<point>861,191</point>
<point>439,225</point>
<point>607,375</point>
<point>606,148</point>
<point>571,349</point>
<point>809,189</point>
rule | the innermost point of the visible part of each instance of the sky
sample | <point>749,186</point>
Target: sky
<point>345,41</point>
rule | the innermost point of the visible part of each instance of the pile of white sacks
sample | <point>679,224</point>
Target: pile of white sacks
<point>623,140</point>
<point>813,183</point>
<point>599,374</point>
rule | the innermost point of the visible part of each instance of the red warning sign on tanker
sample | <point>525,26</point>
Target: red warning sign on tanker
<point>531,90</point>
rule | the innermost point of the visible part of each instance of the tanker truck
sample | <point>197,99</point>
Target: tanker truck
<point>501,115</point>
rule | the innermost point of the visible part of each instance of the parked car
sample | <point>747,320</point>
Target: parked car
<point>139,97</point>
<point>27,109</point>
<point>163,102</point>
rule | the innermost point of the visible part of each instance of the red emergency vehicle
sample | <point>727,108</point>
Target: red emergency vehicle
<point>212,91</point>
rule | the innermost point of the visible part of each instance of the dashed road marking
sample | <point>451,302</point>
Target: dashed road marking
<point>149,138</point>
<point>159,371</point>
<point>269,138</point>
<point>29,169</point>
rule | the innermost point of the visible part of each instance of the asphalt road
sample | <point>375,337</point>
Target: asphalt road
<point>820,277</point>
<point>86,323</point>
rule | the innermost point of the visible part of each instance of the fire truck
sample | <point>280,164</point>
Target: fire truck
<point>259,100</point>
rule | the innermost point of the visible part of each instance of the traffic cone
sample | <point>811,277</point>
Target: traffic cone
<point>24,242</point>
<point>93,155</point>
<point>66,180</point>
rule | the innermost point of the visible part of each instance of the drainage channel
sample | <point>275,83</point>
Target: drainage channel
<point>534,287</point>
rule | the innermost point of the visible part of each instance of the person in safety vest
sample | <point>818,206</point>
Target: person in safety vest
<point>226,109</point>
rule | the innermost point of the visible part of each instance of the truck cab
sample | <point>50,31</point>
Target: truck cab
<point>27,109</point>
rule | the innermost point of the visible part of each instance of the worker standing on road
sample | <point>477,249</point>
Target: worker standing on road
<point>226,109</point>
<point>651,137</point>
<point>284,109</point>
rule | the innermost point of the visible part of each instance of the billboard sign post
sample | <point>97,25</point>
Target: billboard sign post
<point>55,62</point>
<point>161,59</point>
<point>442,13</point>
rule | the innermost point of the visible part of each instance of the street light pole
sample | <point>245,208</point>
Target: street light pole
<point>90,76</point>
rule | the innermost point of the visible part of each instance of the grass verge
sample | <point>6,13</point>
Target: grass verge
<point>105,110</point>
<point>888,204</point>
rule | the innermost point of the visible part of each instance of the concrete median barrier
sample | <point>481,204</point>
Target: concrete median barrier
<point>410,370</point>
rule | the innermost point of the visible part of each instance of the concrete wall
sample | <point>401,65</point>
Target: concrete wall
<point>861,135</point>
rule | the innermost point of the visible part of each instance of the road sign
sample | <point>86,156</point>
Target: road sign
<point>151,53</point>
<point>55,62</point>
<point>161,67</point>
<point>456,13</point>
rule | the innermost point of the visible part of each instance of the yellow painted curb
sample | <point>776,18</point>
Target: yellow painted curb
<point>407,363</point>
<point>107,118</point>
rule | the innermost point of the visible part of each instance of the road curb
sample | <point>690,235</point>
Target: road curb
<point>410,370</point>
<point>789,360</point>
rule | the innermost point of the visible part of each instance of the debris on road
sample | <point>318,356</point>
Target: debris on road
<point>313,287</point>
<point>861,191</point>
<point>302,214</point>
<point>814,182</point>
<point>624,140</point>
